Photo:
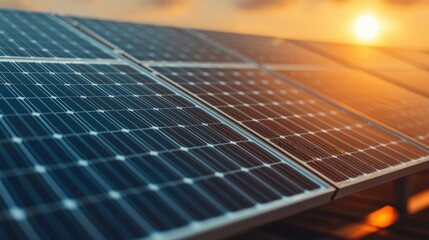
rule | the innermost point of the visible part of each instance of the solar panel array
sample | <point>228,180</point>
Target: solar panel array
<point>186,137</point>
<point>396,107</point>
<point>337,145</point>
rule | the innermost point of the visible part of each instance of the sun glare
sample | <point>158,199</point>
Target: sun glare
<point>366,27</point>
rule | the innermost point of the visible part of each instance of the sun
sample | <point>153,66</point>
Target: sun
<point>367,27</point>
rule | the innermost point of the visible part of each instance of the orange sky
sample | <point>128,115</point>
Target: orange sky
<point>403,23</point>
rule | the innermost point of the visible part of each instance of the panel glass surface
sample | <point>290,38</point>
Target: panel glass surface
<point>155,43</point>
<point>417,81</point>
<point>328,140</point>
<point>417,58</point>
<point>360,56</point>
<point>24,34</point>
<point>269,50</point>
<point>394,106</point>
<point>103,151</point>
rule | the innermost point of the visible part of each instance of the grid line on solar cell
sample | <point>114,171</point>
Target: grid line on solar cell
<point>396,107</point>
<point>56,206</point>
<point>339,146</point>
<point>155,43</point>
<point>24,34</point>
<point>98,141</point>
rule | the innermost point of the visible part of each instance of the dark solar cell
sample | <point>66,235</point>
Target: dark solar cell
<point>339,146</point>
<point>269,49</point>
<point>24,34</point>
<point>156,43</point>
<point>394,106</point>
<point>104,151</point>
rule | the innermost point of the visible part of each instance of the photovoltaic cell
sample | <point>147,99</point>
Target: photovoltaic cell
<point>391,105</point>
<point>104,151</point>
<point>365,57</point>
<point>155,43</point>
<point>269,50</point>
<point>326,139</point>
<point>24,34</point>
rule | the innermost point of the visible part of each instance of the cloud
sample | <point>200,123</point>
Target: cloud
<point>160,10</point>
<point>164,4</point>
<point>257,5</point>
<point>13,4</point>
<point>271,5</point>
<point>403,3</point>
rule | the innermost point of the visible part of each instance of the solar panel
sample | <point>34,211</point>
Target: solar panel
<point>155,43</point>
<point>416,81</point>
<point>269,50</point>
<point>365,57</point>
<point>24,34</point>
<point>387,103</point>
<point>105,151</point>
<point>343,148</point>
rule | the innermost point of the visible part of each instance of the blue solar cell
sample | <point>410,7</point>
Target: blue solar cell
<point>25,34</point>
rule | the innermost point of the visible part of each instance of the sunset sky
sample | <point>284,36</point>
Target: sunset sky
<point>402,23</point>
